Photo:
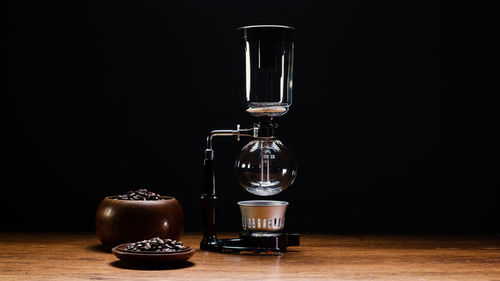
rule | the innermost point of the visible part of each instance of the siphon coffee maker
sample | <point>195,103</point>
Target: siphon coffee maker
<point>264,166</point>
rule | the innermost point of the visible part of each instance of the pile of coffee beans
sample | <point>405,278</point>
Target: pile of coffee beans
<point>156,245</point>
<point>141,195</point>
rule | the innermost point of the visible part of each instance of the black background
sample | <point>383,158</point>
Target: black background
<point>394,123</point>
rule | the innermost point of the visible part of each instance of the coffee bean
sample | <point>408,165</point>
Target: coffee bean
<point>157,245</point>
<point>139,195</point>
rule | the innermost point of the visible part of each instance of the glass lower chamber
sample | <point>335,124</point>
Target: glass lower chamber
<point>265,167</point>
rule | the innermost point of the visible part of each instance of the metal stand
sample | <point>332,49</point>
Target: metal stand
<point>248,241</point>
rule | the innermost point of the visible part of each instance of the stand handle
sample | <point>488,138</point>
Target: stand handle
<point>208,205</point>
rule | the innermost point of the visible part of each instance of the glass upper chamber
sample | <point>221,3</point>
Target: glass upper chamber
<point>268,68</point>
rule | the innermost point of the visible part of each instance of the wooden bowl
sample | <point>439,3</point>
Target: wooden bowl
<point>153,258</point>
<point>122,221</point>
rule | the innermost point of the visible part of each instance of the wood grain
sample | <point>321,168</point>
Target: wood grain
<point>320,257</point>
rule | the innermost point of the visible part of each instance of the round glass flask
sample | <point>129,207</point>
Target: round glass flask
<point>265,167</point>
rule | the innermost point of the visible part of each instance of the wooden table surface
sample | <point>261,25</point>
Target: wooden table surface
<point>25,256</point>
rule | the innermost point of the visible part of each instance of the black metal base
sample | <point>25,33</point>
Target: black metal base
<point>261,242</point>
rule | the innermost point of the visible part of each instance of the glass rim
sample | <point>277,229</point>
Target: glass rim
<point>262,203</point>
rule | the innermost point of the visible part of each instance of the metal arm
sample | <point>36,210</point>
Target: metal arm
<point>209,152</point>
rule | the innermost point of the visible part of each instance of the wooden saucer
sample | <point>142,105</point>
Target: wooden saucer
<point>121,252</point>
